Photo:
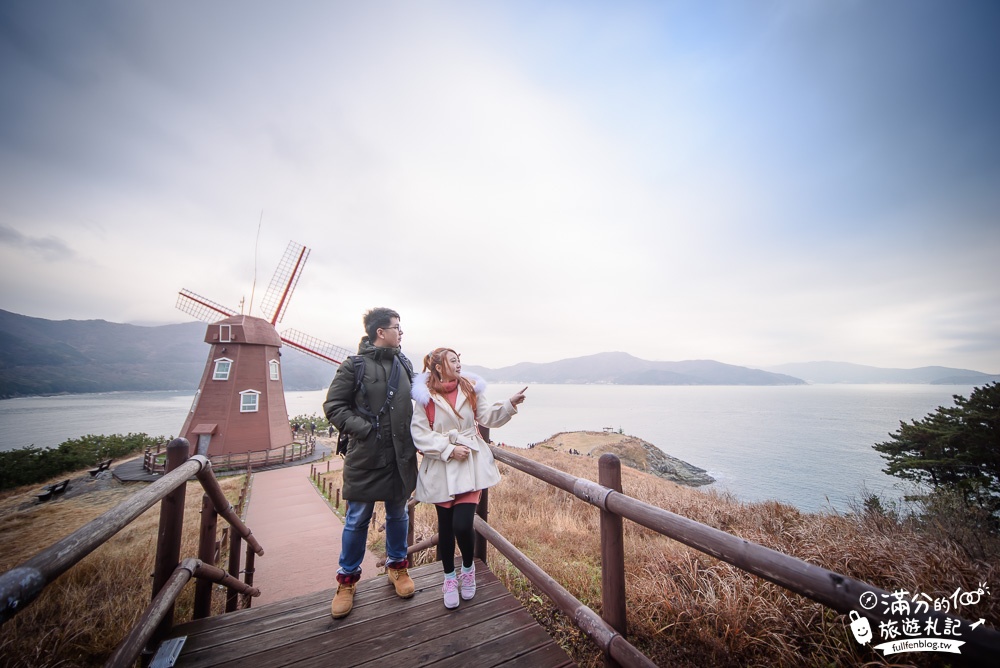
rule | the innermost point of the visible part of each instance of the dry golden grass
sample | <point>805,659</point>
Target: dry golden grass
<point>686,608</point>
<point>81,617</point>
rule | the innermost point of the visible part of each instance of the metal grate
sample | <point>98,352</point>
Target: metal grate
<point>201,308</point>
<point>318,348</point>
<point>285,278</point>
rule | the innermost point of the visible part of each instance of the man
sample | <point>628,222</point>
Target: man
<point>381,461</point>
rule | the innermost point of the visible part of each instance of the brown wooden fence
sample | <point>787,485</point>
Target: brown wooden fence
<point>836,591</point>
<point>154,459</point>
<point>22,584</point>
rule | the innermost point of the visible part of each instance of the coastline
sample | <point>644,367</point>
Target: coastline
<point>633,452</point>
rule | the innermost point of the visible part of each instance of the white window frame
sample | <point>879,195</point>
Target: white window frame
<point>194,402</point>
<point>249,401</point>
<point>225,333</point>
<point>223,367</point>
<point>275,372</point>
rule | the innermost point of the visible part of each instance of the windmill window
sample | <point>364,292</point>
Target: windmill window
<point>249,400</point>
<point>222,367</point>
<point>274,370</point>
<point>225,333</point>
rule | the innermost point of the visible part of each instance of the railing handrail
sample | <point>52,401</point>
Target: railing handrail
<point>22,584</point>
<point>588,621</point>
<point>130,647</point>
<point>829,588</point>
<point>227,462</point>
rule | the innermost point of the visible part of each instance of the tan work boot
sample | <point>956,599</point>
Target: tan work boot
<point>343,601</point>
<point>400,578</point>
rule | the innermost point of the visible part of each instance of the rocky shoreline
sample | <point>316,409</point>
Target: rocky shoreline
<point>632,451</point>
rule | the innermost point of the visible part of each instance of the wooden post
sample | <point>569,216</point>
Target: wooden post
<point>248,573</point>
<point>168,542</point>
<point>328,466</point>
<point>410,529</point>
<point>612,554</point>
<point>483,510</point>
<point>235,542</point>
<point>206,552</point>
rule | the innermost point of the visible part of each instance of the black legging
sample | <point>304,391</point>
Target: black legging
<point>455,523</point>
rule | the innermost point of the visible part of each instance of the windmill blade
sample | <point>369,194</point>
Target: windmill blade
<point>318,348</point>
<point>286,276</point>
<point>203,309</point>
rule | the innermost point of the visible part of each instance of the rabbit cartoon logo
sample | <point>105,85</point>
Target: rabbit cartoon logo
<point>861,628</point>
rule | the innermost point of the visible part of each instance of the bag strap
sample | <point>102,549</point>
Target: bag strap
<point>359,371</point>
<point>431,410</point>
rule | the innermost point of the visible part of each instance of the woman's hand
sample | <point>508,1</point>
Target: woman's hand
<point>460,453</point>
<point>518,398</point>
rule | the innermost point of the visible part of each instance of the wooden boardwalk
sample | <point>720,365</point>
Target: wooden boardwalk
<point>382,630</point>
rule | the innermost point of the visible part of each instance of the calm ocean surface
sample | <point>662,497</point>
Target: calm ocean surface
<point>807,445</point>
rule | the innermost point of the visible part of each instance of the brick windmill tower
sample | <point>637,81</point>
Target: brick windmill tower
<point>240,403</point>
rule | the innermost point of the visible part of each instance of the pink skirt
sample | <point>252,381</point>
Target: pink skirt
<point>467,497</point>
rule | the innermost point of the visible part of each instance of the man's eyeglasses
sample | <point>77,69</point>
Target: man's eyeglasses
<point>396,327</point>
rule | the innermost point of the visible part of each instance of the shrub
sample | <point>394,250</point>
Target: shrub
<point>30,465</point>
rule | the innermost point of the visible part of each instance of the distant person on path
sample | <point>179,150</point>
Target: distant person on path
<point>312,428</point>
<point>457,462</point>
<point>381,461</point>
<point>331,430</point>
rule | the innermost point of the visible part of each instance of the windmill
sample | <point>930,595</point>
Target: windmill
<point>240,403</point>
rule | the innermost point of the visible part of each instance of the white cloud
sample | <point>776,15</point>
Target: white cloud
<point>523,184</point>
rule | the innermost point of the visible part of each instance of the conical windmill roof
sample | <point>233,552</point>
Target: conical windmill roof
<point>246,329</point>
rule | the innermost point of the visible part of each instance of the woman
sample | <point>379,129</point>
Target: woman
<point>457,463</point>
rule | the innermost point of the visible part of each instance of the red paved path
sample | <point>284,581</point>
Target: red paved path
<point>299,532</point>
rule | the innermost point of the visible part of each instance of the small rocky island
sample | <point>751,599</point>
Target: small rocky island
<point>633,452</point>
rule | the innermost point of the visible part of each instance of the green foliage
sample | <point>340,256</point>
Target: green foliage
<point>25,466</point>
<point>954,451</point>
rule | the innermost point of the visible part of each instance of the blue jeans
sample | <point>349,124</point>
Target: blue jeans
<point>355,536</point>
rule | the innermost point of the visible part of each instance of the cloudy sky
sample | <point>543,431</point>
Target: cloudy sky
<point>755,182</point>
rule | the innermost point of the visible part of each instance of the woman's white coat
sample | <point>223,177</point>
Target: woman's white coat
<point>440,477</point>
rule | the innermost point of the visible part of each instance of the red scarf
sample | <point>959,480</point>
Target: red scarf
<point>450,394</point>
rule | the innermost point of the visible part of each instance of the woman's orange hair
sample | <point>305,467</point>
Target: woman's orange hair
<point>435,382</point>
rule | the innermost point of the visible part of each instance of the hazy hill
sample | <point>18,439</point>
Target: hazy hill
<point>624,369</point>
<point>844,372</point>
<point>39,356</point>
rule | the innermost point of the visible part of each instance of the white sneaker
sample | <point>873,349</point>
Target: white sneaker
<point>450,590</point>
<point>467,582</point>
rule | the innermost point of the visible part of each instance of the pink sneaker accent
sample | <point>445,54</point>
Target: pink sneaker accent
<point>467,582</point>
<point>450,590</point>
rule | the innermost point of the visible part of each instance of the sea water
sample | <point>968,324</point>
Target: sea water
<point>806,445</point>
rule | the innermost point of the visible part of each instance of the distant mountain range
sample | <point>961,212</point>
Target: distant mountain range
<point>40,356</point>
<point>844,372</point>
<point>624,369</point>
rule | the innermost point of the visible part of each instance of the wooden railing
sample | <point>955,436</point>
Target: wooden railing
<point>153,459</point>
<point>22,584</point>
<point>836,591</point>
